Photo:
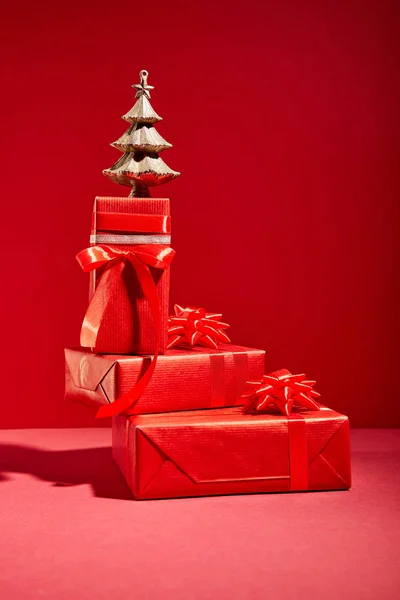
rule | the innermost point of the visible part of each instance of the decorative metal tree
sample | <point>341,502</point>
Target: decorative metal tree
<point>140,167</point>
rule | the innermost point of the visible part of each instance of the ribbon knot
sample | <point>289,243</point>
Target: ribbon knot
<point>141,258</point>
<point>153,255</point>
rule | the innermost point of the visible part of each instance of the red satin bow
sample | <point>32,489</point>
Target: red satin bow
<point>141,257</point>
<point>281,390</point>
<point>195,326</point>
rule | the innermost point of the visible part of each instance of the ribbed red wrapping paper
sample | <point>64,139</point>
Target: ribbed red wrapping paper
<point>184,379</point>
<point>128,326</point>
<point>223,451</point>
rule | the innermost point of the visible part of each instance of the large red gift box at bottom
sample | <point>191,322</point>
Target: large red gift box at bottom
<point>223,451</point>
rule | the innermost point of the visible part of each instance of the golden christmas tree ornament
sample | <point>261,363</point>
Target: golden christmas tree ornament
<point>140,166</point>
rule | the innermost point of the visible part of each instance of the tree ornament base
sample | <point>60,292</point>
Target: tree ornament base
<point>139,190</point>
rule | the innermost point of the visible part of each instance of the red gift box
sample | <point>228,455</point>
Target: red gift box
<point>184,378</point>
<point>124,322</point>
<point>224,451</point>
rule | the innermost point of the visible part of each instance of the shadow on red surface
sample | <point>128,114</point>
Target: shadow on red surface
<point>89,466</point>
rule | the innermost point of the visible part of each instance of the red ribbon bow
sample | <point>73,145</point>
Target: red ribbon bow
<point>194,326</point>
<point>141,257</point>
<point>281,390</point>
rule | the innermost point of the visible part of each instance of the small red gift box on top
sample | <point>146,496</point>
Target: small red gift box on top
<point>129,261</point>
<point>223,451</point>
<point>184,378</point>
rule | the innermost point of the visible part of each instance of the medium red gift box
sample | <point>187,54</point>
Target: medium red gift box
<point>120,318</point>
<point>223,451</point>
<point>184,378</point>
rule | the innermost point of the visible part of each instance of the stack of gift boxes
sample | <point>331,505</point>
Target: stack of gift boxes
<point>192,413</point>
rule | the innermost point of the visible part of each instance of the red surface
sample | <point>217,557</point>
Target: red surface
<point>223,451</point>
<point>69,529</point>
<point>285,123</point>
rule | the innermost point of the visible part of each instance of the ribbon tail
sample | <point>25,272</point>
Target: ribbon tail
<point>97,308</point>
<point>121,405</point>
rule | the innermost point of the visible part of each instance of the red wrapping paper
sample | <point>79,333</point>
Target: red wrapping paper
<point>128,326</point>
<point>184,378</point>
<point>224,451</point>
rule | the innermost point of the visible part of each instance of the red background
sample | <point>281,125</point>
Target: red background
<point>285,122</point>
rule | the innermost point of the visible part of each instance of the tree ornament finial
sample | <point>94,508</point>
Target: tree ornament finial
<point>143,89</point>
